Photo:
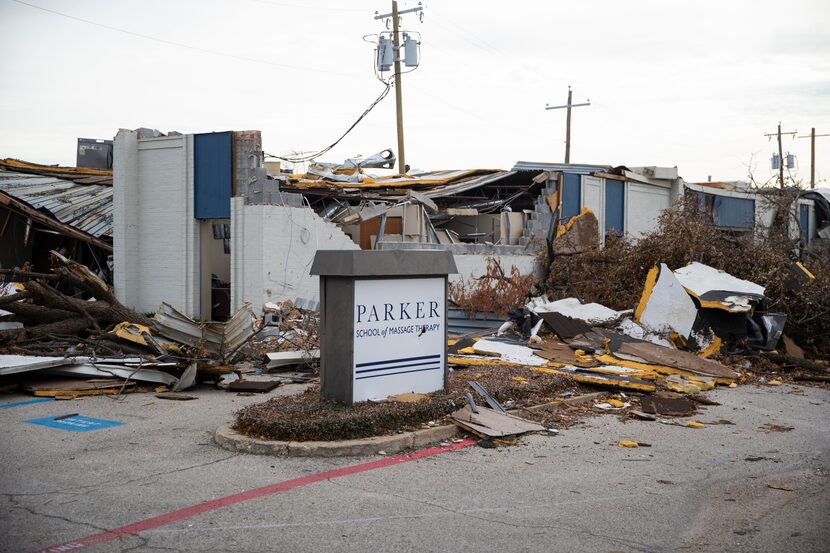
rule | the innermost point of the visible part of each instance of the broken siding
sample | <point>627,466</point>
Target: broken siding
<point>272,248</point>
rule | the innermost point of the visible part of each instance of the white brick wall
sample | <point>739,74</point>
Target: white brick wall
<point>156,238</point>
<point>272,248</point>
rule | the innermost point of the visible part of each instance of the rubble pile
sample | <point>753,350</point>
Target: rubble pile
<point>55,343</point>
<point>614,275</point>
<point>47,320</point>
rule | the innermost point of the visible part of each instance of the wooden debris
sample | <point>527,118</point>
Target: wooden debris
<point>175,396</point>
<point>488,423</point>
<point>680,407</point>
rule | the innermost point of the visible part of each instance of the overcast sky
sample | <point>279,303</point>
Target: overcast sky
<point>692,84</point>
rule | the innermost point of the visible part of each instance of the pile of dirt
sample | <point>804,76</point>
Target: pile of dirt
<point>614,275</point>
<point>307,416</point>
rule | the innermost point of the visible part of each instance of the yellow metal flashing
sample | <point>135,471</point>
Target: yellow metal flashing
<point>807,272</point>
<point>600,380</point>
<point>660,369</point>
<point>651,280</point>
<point>712,348</point>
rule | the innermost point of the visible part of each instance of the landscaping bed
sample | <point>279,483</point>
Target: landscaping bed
<point>306,416</point>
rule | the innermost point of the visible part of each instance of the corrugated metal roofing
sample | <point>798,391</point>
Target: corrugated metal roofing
<point>559,167</point>
<point>87,207</point>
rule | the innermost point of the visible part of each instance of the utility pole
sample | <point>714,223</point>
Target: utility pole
<point>812,138</point>
<point>780,153</point>
<point>398,92</point>
<point>396,48</point>
<point>569,105</point>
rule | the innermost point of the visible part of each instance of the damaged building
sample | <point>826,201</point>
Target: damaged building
<point>228,228</point>
<point>44,208</point>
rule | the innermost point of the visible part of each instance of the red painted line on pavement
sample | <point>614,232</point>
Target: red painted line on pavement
<point>200,508</point>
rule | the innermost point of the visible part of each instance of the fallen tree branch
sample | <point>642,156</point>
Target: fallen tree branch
<point>811,378</point>
<point>782,359</point>
<point>14,297</point>
<point>28,274</point>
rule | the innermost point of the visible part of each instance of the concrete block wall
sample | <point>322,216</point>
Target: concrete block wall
<point>272,247</point>
<point>155,236</point>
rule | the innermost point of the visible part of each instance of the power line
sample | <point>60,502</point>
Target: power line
<point>473,39</point>
<point>325,150</point>
<point>306,6</point>
<point>181,44</point>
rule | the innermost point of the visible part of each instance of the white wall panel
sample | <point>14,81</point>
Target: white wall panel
<point>643,206</point>
<point>272,248</point>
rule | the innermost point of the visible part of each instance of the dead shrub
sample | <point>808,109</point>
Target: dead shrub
<point>307,416</point>
<point>615,275</point>
<point>493,292</point>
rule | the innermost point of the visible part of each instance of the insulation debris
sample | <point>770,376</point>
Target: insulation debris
<point>591,313</point>
<point>719,290</point>
<point>665,307</point>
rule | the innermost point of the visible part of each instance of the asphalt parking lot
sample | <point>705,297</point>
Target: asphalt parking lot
<point>739,487</point>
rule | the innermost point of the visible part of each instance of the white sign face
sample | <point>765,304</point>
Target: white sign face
<point>399,337</point>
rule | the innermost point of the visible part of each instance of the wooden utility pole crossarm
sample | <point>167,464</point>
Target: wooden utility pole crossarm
<point>568,106</point>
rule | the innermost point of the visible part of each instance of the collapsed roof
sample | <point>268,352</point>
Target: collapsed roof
<point>74,201</point>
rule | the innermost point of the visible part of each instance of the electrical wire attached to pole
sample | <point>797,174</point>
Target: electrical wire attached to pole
<point>302,159</point>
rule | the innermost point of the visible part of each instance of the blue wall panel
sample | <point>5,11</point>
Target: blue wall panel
<point>733,212</point>
<point>212,173</point>
<point>614,206</point>
<point>804,221</point>
<point>571,196</point>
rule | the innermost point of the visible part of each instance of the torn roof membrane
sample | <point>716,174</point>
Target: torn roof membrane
<point>719,290</point>
<point>354,177</point>
<point>591,313</point>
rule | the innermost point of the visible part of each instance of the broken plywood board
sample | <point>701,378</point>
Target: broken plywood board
<point>665,306</point>
<point>73,388</point>
<point>563,326</point>
<point>558,352</point>
<point>659,358</point>
<point>679,359</point>
<point>608,380</point>
<point>677,407</point>
<point>492,424</point>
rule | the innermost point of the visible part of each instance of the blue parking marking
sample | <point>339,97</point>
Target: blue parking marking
<point>75,424</point>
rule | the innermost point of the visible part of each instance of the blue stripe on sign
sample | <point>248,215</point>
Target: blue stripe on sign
<point>398,360</point>
<point>5,405</point>
<point>430,362</point>
<point>397,373</point>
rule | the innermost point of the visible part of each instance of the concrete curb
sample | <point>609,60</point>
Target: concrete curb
<point>228,438</point>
